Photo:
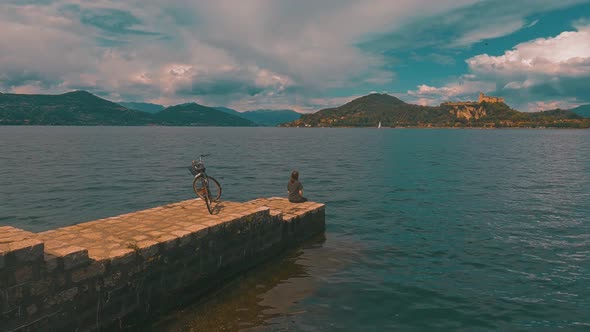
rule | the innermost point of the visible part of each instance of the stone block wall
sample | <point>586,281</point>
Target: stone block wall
<point>115,272</point>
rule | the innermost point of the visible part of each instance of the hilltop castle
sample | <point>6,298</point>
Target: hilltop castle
<point>488,99</point>
<point>482,99</point>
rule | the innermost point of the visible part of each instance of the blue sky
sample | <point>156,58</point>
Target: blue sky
<point>299,54</point>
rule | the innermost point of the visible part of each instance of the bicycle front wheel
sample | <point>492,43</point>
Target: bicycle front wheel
<point>201,188</point>
<point>214,188</point>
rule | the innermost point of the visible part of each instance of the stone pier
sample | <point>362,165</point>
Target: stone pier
<point>115,272</point>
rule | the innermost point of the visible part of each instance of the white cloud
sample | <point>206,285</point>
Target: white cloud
<point>551,105</point>
<point>464,88</point>
<point>245,53</point>
<point>567,54</point>
<point>500,27</point>
<point>285,51</point>
<point>544,70</point>
<point>532,24</point>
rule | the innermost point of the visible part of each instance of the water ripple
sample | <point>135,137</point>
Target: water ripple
<point>427,229</point>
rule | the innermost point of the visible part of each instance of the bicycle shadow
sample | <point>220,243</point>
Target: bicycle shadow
<point>218,208</point>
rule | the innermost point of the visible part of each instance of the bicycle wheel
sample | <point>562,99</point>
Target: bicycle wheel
<point>199,186</point>
<point>207,195</point>
<point>208,189</point>
<point>214,189</point>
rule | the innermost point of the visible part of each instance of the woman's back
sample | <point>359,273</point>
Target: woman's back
<point>295,189</point>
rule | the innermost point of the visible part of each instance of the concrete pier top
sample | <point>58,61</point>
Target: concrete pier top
<point>146,259</point>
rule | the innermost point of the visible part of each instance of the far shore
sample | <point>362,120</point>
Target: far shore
<point>339,127</point>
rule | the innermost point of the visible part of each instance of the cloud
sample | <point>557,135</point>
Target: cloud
<point>555,67</point>
<point>566,55</point>
<point>261,49</point>
<point>532,24</point>
<point>440,59</point>
<point>464,25</point>
<point>109,20</point>
<point>542,69</point>
<point>502,26</point>
<point>551,105</point>
<point>463,88</point>
<point>292,54</point>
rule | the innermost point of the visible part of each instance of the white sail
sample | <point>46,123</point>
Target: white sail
<point>379,126</point>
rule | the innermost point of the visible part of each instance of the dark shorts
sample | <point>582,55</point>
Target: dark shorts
<point>298,199</point>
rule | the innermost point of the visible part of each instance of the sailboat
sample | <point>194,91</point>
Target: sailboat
<point>379,126</point>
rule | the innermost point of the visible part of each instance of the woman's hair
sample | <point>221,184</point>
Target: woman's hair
<point>294,176</point>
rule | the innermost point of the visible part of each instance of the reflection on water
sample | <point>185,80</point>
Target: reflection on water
<point>264,298</point>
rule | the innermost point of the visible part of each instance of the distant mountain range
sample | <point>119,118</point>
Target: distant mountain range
<point>265,117</point>
<point>144,107</point>
<point>72,108</point>
<point>583,110</point>
<point>85,109</point>
<point>193,114</point>
<point>389,111</point>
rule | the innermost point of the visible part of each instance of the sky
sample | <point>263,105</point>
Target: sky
<point>299,54</point>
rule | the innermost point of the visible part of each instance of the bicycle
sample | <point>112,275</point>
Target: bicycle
<point>206,187</point>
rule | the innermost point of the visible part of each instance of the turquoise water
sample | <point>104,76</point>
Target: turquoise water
<point>426,229</point>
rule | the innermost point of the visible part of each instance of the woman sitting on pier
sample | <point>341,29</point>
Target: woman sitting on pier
<point>295,189</point>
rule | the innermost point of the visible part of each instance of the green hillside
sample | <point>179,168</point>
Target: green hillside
<point>144,107</point>
<point>583,110</point>
<point>72,108</point>
<point>193,114</point>
<point>264,117</point>
<point>82,108</point>
<point>228,110</point>
<point>370,110</point>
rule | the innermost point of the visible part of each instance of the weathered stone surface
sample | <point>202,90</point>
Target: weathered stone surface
<point>18,246</point>
<point>146,248</point>
<point>91,271</point>
<point>61,297</point>
<point>41,287</point>
<point>71,256</point>
<point>23,273</point>
<point>128,266</point>
<point>51,262</point>
<point>122,256</point>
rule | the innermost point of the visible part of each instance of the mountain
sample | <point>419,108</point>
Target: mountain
<point>228,110</point>
<point>82,108</point>
<point>144,107</point>
<point>372,109</point>
<point>72,108</point>
<point>264,117</point>
<point>582,110</point>
<point>193,114</point>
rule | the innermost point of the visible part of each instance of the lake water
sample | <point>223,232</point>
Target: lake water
<point>426,229</point>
